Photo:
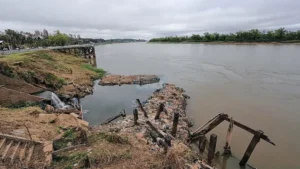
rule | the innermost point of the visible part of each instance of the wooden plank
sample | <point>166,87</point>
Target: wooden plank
<point>22,152</point>
<point>194,137</point>
<point>21,139</point>
<point>6,150</point>
<point>30,153</point>
<point>264,137</point>
<point>2,143</point>
<point>14,153</point>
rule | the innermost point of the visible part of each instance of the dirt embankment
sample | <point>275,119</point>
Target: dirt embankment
<point>111,80</point>
<point>63,73</point>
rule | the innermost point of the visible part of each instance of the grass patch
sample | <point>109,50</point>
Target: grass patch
<point>54,81</point>
<point>44,55</point>
<point>24,104</point>
<point>68,136</point>
<point>100,72</point>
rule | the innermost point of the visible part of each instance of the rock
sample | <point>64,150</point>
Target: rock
<point>49,109</point>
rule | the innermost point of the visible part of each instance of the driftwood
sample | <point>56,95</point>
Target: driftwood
<point>121,114</point>
<point>67,149</point>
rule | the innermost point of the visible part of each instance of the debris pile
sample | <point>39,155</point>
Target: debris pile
<point>111,80</point>
<point>152,124</point>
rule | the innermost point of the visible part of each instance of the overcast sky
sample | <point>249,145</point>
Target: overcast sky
<point>147,18</point>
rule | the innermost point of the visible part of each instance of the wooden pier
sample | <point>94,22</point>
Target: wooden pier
<point>199,135</point>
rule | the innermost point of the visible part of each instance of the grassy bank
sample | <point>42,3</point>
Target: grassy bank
<point>66,74</point>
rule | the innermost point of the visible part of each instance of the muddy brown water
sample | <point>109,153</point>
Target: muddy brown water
<point>258,85</point>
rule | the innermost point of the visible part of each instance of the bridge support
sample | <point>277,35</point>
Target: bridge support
<point>86,51</point>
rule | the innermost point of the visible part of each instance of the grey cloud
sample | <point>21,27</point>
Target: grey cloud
<point>147,18</point>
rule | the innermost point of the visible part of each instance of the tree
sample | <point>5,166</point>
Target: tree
<point>58,39</point>
<point>279,33</point>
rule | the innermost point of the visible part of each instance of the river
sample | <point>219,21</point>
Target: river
<point>258,85</point>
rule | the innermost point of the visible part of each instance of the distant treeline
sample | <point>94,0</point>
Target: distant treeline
<point>254,35</point>
<point>12,39</point>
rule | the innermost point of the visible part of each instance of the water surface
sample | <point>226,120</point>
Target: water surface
<point>258,85</point>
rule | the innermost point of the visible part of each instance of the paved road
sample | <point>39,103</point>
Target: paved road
<point>8,52</point>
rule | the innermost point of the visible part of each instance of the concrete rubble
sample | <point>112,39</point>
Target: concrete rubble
<point>111,80</point>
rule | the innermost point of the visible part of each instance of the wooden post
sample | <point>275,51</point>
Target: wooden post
<point>135,116</point>
<point>175,123</point>
<point>141,107</point>
<point>159,110</point>
<point>227,150</point>
<point>202,144</point>
<point>212,148</point>
<point>251,147</point>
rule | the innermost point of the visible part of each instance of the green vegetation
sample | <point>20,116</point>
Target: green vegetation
<point>53,81</point>
<point>23,104</point>
<point>67,137</point>
<point>58,39</point>
<point>254,35</point>
<point>100,72</point>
